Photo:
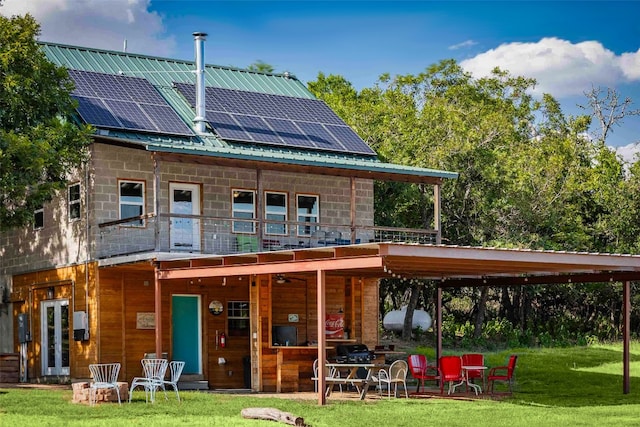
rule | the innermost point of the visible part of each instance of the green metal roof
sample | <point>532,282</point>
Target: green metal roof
<point>162,72</point>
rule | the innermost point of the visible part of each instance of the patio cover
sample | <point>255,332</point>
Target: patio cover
<point>452,266</point>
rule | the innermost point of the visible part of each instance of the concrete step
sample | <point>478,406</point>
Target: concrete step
<point>193,385</point>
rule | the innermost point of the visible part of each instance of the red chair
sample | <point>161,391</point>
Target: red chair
<point>474,359</point>
<point>503,373</point>
<point>421,371</point>
<point>451,371</point>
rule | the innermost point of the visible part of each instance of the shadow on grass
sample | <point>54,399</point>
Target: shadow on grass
<point>573,377</point>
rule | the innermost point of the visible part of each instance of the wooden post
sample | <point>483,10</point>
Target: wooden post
<point>436,213</point>
<point>158,307</point>
<point>438,324</point>
<point>322,375</point>
<point>626,310</point>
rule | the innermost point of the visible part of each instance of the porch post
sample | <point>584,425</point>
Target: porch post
<point>626,316</point>
<point>158,308</point>
<point>320,286</point>
<point>438,324</point>
<point>259,206</point>
<point>436,213</point>
<point>353,210</point>
<point>156,202</point>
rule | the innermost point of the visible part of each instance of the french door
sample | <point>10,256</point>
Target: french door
<point>55,337</point>
<point>185,232</point>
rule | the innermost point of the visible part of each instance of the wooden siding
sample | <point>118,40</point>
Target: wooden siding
<point>30,290</point>
<point>291,368</point>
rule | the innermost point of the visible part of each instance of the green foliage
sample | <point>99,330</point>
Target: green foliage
<point>38,146</point>
<point>528,178</point>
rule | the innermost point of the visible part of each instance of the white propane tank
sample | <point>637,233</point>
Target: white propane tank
<point>394,320</point>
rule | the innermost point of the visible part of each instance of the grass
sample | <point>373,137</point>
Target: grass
<point>579,386</point>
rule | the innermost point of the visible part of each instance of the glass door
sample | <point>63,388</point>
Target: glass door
<point>55,337</point>
<point>185,231</point>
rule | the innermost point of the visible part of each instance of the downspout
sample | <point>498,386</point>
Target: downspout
<point>88,254</point>
<point>200,119</point>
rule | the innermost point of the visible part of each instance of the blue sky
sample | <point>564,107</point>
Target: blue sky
<point>568,47</point>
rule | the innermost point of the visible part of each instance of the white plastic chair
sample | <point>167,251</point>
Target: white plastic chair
<point>175,370</point>
<point>154,371</point>
<point>104,376</point>
<point>397,375</point>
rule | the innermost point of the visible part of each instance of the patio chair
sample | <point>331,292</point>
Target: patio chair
<point>104,376</point>
<point>333,373</point>
<point>397,375</point>
<point>422,371</point>
<point>503,374</point>
<point>474,359</point>
<point>154,371</point>
<point>451,372</point>
<point>175,370</point>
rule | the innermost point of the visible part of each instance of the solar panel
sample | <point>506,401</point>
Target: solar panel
<point>276,120</point>
<point>124,102</point>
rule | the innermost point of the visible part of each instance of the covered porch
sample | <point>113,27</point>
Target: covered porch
<point>364,264</point>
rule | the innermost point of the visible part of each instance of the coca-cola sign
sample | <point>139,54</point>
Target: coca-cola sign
<point>334,325</point>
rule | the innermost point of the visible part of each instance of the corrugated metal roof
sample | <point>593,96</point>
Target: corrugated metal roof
<point>162,72</point>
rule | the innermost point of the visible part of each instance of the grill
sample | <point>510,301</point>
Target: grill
<point>353,353</point>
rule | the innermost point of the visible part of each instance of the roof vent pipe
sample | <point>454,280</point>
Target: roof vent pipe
<point>200,118</point>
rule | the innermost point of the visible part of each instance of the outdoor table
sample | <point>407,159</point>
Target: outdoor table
<point>361,384</point>
<point>466,368</point>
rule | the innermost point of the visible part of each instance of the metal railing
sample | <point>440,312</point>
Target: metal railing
<point>214,235</point>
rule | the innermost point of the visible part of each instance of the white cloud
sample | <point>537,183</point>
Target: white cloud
<point>628,152</point>
<point>97,23</point>
<point>630,65</point>
<point>464,44</point>
<point>560,67</point>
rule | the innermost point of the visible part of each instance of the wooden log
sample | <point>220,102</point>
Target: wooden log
<point>273,414</point>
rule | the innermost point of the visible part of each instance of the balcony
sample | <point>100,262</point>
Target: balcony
<point>221,236</point>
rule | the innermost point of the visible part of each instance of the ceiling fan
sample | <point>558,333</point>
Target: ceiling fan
<point>282,279</point>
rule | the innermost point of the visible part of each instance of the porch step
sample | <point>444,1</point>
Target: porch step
<point>193,385</point>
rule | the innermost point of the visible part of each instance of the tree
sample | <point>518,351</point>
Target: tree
<point>39,146</point>
<point>260,67</point>
<point>529,178</point>
<point>608,109</point>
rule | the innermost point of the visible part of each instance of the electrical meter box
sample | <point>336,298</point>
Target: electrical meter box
<point>24,334</point>
<point>80,326</point>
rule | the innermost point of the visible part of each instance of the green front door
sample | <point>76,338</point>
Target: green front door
<point>186,335</point>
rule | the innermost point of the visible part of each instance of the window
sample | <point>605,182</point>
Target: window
<point>238,318</point>
<point>308,212</point>
<point>74,202</point>
<point>132,202</point>
<point>244,207</point>
<point>275,209</point>
<point>38,218</point>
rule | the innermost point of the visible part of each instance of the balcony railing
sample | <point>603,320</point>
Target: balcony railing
<point>220,236</point>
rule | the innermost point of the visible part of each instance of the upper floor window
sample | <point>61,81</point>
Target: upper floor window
<point>243,206</point>
<point>73,201</point>
<point>275,209</point>
<point>38,218</point>
<point>308,209</point>
<point>132,201</point>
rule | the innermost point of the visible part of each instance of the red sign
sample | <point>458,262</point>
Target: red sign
<point>334,326</point>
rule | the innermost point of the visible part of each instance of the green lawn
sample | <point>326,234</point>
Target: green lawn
<point>580,386</point>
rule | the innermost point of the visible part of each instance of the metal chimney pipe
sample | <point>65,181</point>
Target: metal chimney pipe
<point>200,118</point>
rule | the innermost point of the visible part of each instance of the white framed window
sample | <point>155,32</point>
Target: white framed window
<point>238,318</point>
<point>308,212</point>
<point>275,209</point>
<point>73,200</point>
<point>38,218</point>
<point>131,201</point>
<point>243,206</point>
